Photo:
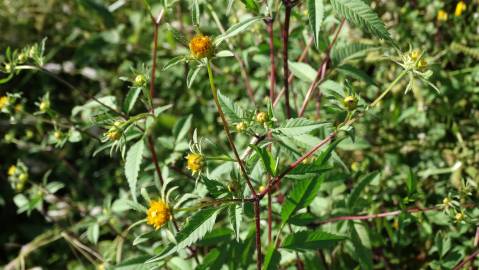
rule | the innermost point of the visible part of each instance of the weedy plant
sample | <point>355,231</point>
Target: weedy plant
<point>270,190</point>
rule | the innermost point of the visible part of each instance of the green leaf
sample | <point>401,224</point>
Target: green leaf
<point>251,6</point>
<point>230,109</point>
<point>360,14</point>
<point>182,127</point>
<point>236,29</point>
<point>195,13</point>
<point>363,182</point>
<point>356,73</point>
<point>362,254</point>
<point>235,212</point>
<point>311,240</point>
<point>298,126</point>
<point>266,159</point>
<point>301,196</point>
<point>122,205</point>
<point>192,74</point>
<point>272,258</point>
<point>316,14</point>
<point>93,233</point>
<point>131,98</point>
<point>174,61</point>
<point>411,182</point>
<point>200,223</point>
<point>341,54</point>
<point>99,9</point>
<point>303,71</point>
<point>211,259</point>
<point>134,157</point>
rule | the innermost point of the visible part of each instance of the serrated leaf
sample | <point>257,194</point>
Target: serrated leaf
<point>298,126</point>
<point>301,196</point>
<point>363,183</point>
<point>343,53</point>
<point>236,29</point>
<point>303,71</point>
<point>362,254</point>
<point>316,14</point>
<point>235,212</point>
<point>131,98</point>
<point>360,14</point>
<point>195,13</point>
<point>356,73</point>
<point>230,109</point>
<point>311,240</point>
<point>272,258</point>
<point>200,223</point>
<point>174,61</point>
<point>134,157</point>
<point>267,160</point>
<point>192,74</point>
<point>121,205</point>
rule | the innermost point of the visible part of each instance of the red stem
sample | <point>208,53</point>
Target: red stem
<point>287,16</point>
<point>272,76</point>
<point>258,234</point>
<point>466,260</point>
<point>321,72</point>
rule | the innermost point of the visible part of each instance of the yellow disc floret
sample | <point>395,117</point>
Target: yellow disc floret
<point>459,216</point>
<point>460,7</point>
<point>415,54</point>
<point>241,127</point>
<point>195,162</point>
<point>4,102</point>
<point>442,16</point>
<point>140,80</point>
<point>44,105</point>
<point>262,117</point>
<point>158,214</point>
<point>201,46</point>
<point>422,64</point>
<point>12,170</point>
<point>350,102</point>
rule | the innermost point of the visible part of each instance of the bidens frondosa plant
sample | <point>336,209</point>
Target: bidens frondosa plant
<point>278,135</point>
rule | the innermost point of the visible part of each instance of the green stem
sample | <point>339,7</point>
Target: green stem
<point>390,87</point>
<point>214,91</point>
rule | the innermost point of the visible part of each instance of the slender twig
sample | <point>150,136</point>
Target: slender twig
<point>242,65</point>
<point>151,143</point>
<point>287,16</point>
<point>301,58</point>
<point>272,76</point>
<point>214,91</point>
<point>258,234</point>
<point>466,260</point>
<point>379,215</point>
<point>321,72</point>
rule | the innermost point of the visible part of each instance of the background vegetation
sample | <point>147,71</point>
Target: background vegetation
<point>414,159</point>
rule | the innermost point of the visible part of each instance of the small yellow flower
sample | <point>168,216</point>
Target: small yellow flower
<point>201,46</point>
<point>415,54</point>
<point>12,170</point>
<point>22,58</point>
<point>195,162</point>
<point>140,80</point>
<point>422,64</point>
<point>114,134</point>
<point>446,201</point>
<point>241,127</point>
<point>460,8</point>
<point>262,117</point>
<point>58,134</point>
<point>262,189</point>
<point>459,217</point>
<point>441,16</point>
<point>158,214</point>
<point>19,107</point>
<point>23,177</point>
<point>4,102</point>
<point>44,105</point>
<point>350,102</point>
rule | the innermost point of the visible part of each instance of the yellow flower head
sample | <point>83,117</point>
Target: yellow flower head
<point>262,117</point>
<point>140,80</point>
<point>195,162</point>
<point>12,170</point>
<point>350,102</point>
<point>241,127</point>
<point>441,16</point>
<point>19,107</point>
<point>460,7</point>
<point>415,54</point>
<point>201,46</point>
<point>459,216</point>
<point>422,64</point>
<point>158,214</point>
<point>44,105</point>
<point>113,134</point>
<point>58,134</point>
<point>4,102</point>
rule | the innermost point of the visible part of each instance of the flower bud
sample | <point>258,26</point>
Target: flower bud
<point>350,102</point>
<point>201,46</point>
<point>262,117</point>
<point>140,80</point>
<point>241,127</point>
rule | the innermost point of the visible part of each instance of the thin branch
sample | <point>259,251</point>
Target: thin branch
<point>321,72</point>
<point>287,16</point>
<point>466,260</point>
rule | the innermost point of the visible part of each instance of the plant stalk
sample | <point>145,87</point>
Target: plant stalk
<point>287,17</point>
